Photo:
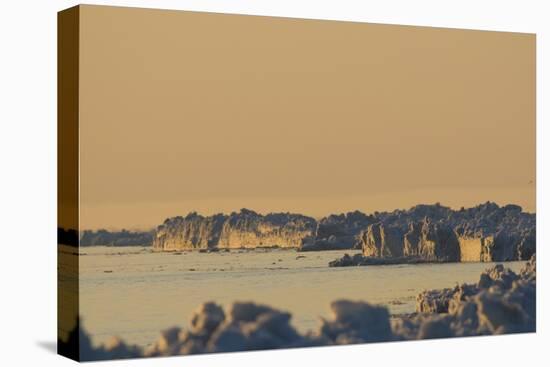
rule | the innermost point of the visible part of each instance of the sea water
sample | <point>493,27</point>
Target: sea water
<point>134,293</point>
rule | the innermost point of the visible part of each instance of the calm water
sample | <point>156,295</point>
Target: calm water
<point>134,294</point>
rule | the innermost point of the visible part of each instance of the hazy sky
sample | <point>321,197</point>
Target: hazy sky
<point>185,111</point>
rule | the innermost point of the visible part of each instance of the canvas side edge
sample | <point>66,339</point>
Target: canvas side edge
<point>68,42</point>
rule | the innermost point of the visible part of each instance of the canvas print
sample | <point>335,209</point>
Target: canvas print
<point>234,183</point>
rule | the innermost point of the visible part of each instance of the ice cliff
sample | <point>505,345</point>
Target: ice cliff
<point>245,229</point>
<point>487,232</point>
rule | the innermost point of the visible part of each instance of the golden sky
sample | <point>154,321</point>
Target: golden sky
<point>183,111</point>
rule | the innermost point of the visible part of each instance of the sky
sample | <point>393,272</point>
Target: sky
<point>185,111</point>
